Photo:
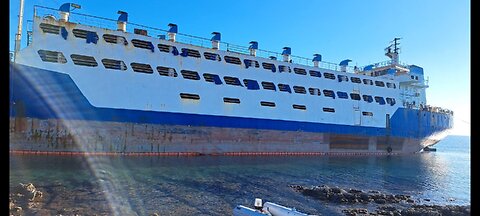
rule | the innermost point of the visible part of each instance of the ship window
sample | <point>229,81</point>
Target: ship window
<point>367,82</point>
<point>315,73</point>
<point>166,71</point>
<point>299,89</point>
<point>328,109</point>
<point>390,101</point>
<point>268,66</point>
<point>232,81</point>
<point>416,77</point>
<point>114,64</point>
<point>80,33</point>
<point>84,60</point>
<point>212,78</point>
<point>251,84</point>
<point>142,68</point>
<point>283,68</point>
<point>284,88</point>
<point>109,38</point>
<point>143,44</point>
<point>268,104</point>
<point>367,98</point>
<point>190,52</point>
<point>342,78</point>
<point>380,83</point>
<point>192,75</point>
<point>300,71</point>
<point>367,113</point>
<point>52,56</point>
<point>232,60</point>
<point>391,85</point>
<point>164,48</point>
<point>356,80</point>
<point>268,86</point>
<point>355,96</point>
<point>413,77</point>
<point>212,56</point>
<point>251,63</point>
<point>343,95</point>
<point>379,100</point>
<point>231,100</point>
<point>329,75</point>
<point>314,91</point>
<point>299,107</point>
<point>328,93</point>
<point>49,28</point>
<point>189,96</point>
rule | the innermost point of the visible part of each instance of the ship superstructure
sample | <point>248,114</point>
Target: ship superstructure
<point>156,91</point>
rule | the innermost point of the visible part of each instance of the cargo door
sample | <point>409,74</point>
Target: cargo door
<point>357,118</point>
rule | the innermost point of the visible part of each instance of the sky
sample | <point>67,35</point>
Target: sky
<point>435,33</point>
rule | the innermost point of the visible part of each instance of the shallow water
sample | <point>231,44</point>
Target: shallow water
<point>214,185</point>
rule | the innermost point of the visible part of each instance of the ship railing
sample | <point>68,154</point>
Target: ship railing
<point>436,109</point>
<point>383,64</point>
<point>90,20</point>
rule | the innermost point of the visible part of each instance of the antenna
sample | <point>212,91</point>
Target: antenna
<point>393,54</point>
<point>18,36</point>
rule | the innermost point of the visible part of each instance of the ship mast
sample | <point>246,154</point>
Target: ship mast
<point>393,50</point>
<point>18,36</point>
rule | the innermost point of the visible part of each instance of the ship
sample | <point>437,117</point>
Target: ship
<point>91,85</point>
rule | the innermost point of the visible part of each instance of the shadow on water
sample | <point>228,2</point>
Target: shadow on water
<point>214,185</point>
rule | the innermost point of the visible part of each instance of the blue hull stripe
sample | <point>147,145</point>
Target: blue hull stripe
<point>46,94</point>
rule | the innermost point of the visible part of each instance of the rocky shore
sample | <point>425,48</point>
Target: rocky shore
<point>386,202</point>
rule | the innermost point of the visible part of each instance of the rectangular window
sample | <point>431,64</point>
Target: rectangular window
<point>114,64</point>
<point>342,95</point>
<point>328,109</point>
<point>268,66</point>
<point>49,28</point>
<point>268,104</point>
<point>283,68</point>
<point>300,71</point>
<point>390,101</point>
<point>82,60</point>
<point>166,71</point>
<point>268,86</point>
<point>284,88</point>
<point>355,96</point>
<point>189,96</point>
<point>380,83</point>
<point>367,82</point>
<point>299,107</point>
<point>191,75</point>
<point>329,93</point>
<point>356,80</point>
<point>115,39</point>
<point>233,60</point>
<point>231,100</point>
<point>251,84</point>
<point>164,48</point>
<point>342,78</point>
<point>315,73</point>
<point>52,56</point>
<point>314,91</point>
<point>367,113</point>
<point>212,78</point>
<point>80,33</point>
<point>329,75</point>
<point>232,81</point>
<point>379,100</point>
<point>142,44</point>
<point>367,98</point>
<point>251,63</point>
<point>191,52</point>
<point>142,68</point>
<point>299,89</point>
<point>212,56</point>
<point>391,85</point>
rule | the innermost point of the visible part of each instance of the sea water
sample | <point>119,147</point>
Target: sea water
<point>214,185</point>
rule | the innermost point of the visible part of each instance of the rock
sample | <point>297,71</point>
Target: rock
<point>354,191</point>
<point>380,201</point>
<point>428,200</point>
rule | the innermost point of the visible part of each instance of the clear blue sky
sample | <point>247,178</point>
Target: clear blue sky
<point>436,33</point>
